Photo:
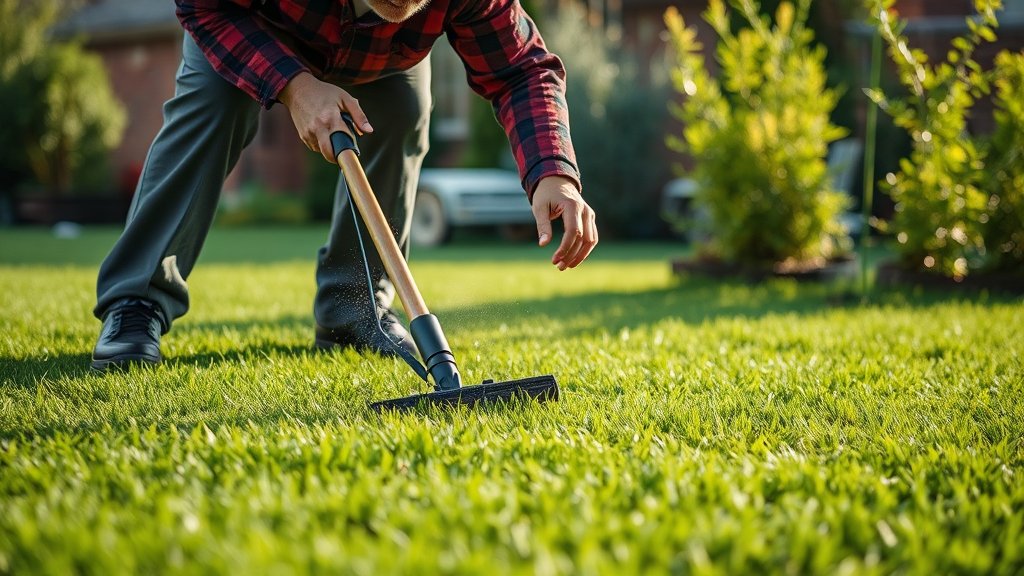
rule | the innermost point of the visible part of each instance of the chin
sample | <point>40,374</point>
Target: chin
<point>394,16</point>
<point>391,13</point>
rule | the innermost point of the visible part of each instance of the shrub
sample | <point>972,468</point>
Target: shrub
<point>759,135</point>
<point>618,121</point>
<point>255,205</point>
<point>1004,232</point>
<point>959,205</point>
<point>320,187</point>
<point>56,105</point>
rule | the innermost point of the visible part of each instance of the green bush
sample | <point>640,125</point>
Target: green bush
<point>1004,232</point>
<point>959,204</point>
<point>22,37</point>
<point>59,113</point>
<point>758,133</point>
<point>255,205</point>
<point>320,187</point>
<point>618,119</point>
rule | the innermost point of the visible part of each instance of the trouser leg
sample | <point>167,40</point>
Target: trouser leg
<point>398,106</point>
<point>206,125</point>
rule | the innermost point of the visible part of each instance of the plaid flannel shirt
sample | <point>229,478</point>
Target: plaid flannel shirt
<point>259,46</point>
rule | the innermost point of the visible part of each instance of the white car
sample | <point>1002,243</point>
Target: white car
<point>452,197</point>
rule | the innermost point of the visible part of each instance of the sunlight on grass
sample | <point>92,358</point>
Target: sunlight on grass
<point>704,428</point>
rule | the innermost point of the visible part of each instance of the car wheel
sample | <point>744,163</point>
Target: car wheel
<point>429,225</point>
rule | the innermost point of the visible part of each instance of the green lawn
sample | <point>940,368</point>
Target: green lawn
<point>704,427</point>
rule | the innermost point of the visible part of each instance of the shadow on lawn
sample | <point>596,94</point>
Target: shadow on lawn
<point>692,303</point>
<point>28,373</point>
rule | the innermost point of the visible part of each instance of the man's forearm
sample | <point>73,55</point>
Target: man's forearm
<point>240,47</point>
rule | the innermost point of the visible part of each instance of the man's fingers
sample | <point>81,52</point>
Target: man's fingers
<point>316,108</point>
<point>588,241</point>
<point>324,147</point>
<point>351,105</point>
<point>346,103</point>
<point>572,238</point>
<point>558,197</point>
<point>542,214</point>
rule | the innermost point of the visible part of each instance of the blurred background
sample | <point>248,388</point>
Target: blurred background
<point>82,84</point>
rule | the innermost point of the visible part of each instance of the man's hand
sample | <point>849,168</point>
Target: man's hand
<point>557,196</point>
<point>316,109</point>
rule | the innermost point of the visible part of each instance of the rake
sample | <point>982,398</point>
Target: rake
<point>437,359</point>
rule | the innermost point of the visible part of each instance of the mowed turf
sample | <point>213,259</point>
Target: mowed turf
<point>703,428</point>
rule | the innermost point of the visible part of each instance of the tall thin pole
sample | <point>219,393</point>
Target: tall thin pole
<point>869,162</point>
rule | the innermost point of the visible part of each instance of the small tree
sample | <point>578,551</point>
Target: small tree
<point>22,37</point>
<point>1005,177</point>
<point>56,104</point>
<point>959,205</point>
<point>759,135</point>
<point>618,121</point>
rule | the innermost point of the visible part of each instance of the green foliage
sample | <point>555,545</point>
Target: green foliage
<point>1004,232</point>
<point>254,205</point>
<point>59,113</point>
<point>23,26</point>
<point>321,184</point>
<point>759,135</point>
<point>618,120</point>
<point>22,37</point>
<point>956,201</point>
<point>487,146</point>
<point>703,428</point>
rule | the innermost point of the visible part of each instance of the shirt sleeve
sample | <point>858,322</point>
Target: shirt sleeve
<point>240,47</point>
<point>507,63</point>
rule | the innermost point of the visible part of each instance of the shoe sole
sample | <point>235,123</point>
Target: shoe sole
<point>123,363</point>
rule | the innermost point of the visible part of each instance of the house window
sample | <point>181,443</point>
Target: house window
<point>450,119</point>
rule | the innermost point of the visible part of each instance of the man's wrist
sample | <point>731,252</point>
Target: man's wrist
<point>294,87</point>
<point>557,180</point>
<point>551,167</point>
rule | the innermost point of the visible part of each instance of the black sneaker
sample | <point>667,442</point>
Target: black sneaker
<point>131,334</point>
<point>365,337</point>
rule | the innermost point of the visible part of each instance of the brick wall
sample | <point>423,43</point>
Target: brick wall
<point>142,72</point>
<point>142,76</point>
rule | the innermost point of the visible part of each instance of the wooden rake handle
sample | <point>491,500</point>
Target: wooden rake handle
<point>347,154</point>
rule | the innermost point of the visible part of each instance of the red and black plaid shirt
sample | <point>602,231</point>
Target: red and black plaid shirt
<point>259,46</point>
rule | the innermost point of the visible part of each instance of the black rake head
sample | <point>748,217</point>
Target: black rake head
<point>539,388</point>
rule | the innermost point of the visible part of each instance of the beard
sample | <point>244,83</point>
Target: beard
<point>397,10</point>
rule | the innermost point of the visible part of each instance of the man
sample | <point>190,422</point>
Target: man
<point>321,58</point>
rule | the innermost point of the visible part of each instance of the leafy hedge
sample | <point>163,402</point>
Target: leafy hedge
<point>618,117</point>
<point>758,131</point>
<point>959,197</point>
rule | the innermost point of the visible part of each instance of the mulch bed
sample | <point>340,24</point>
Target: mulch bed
<point>891,274</point>
<point>818,270</point>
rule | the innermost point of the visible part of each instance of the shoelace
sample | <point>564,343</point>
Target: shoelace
<point>136,319</point>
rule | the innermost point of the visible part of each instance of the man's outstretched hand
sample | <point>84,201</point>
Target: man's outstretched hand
<point>557,197</point>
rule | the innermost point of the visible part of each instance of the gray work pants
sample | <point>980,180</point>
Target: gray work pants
<point>206,125</point>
